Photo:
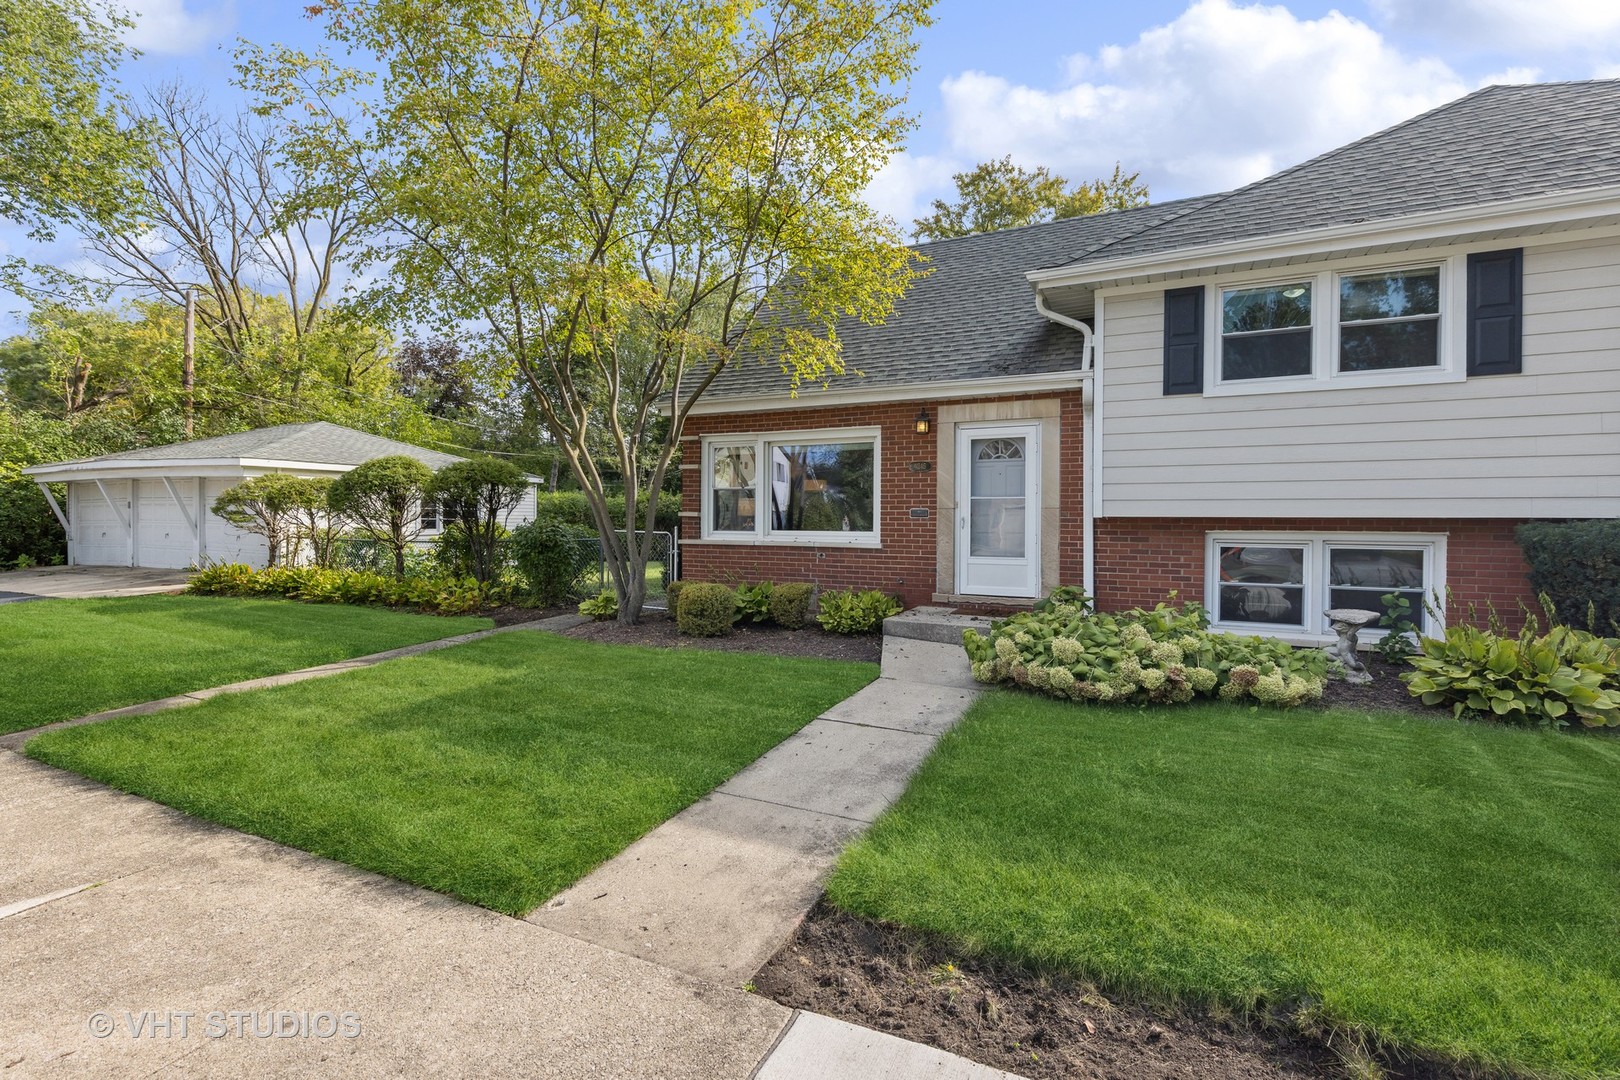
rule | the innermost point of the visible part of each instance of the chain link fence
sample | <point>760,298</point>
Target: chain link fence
<point>598,576</point>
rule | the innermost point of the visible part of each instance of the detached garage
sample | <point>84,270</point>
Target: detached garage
<point>150,507</point>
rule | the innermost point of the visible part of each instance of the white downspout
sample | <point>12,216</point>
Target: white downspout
<point>1088,437</point>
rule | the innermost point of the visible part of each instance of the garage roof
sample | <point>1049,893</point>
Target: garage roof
<point>314,447</point>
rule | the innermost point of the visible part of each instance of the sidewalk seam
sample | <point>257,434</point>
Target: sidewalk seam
<point>770,1051</point>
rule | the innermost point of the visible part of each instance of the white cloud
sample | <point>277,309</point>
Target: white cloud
<point>1515,26</point>
<point>1223,95</point>
<point>902,188</point>
<point>172,27</point>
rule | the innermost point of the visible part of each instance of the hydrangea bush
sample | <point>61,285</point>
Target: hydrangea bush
<point>1166,655</point>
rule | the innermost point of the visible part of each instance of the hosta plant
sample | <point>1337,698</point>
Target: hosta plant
<point>1533,678</point>
<point>1164,655</point>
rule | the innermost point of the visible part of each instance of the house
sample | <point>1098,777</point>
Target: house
<point>1353,377</point>
<point>151,507</point>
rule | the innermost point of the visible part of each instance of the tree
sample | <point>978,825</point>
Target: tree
<point>266,506</point>
<point>478,495</point>
<point>616,201</point>
<point>1000,195</point>
<point>383,497</point>
<point>64,157</point>
<point>315,523</point>
<point>434,375</point>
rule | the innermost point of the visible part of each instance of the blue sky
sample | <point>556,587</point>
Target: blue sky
<point>1197,95</point>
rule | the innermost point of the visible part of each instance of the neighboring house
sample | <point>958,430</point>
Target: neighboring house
<point>1350,378</point>
<point>151,507</point>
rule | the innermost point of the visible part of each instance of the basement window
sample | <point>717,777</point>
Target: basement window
<point>1280,584</point>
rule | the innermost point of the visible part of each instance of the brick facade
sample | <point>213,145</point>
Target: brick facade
<point>907,562</point>
<point>1140,560</point>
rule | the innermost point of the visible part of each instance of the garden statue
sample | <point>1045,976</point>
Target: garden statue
<point>1347,623</point>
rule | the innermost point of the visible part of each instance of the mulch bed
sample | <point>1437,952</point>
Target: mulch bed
<point>511,615</point>
<point>894,980</point>
<point>658,629</point>
<point>1386,691</point>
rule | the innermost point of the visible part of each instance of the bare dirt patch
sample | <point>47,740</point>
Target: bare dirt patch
<point>657,629</point>
<point>1386,691</point>
<point>917,988</point>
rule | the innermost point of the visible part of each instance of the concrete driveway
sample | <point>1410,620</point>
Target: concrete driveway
<point>84,582</point>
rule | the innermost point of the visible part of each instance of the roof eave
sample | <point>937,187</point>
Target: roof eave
<point>999,386</point>
<point>1558,208</point>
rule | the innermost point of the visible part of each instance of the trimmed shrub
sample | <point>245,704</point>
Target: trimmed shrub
<point>601,607</point>
<point>1166,655</point>
<point>1531,679</point>
<point>790,604</point>
<point>673,591</point>
<point>552,559</point>
<point>1575,566</point>
<point>754,602</point>
<point>706,609</point>
<point>438,595</point>
<point>856,612</point>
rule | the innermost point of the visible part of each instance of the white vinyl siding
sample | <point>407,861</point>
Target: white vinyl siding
<point>1545,443</point>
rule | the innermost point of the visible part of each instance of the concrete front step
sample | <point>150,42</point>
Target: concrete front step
<point>939,624</point>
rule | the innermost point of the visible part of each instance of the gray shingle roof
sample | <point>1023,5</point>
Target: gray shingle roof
<point>972,317</point>
<point>1494,145</point>
<point>317,443</point>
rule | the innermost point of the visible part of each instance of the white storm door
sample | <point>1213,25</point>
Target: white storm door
<point>998,500</point>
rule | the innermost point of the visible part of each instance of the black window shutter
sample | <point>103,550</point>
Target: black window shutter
<point>1184,340</point>
<point>1496,312</point>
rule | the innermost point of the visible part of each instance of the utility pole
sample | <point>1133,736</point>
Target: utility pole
<point>188,360</point>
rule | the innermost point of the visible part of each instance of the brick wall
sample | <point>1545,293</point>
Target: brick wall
<point>1140,560</point>
<point>906,563</point>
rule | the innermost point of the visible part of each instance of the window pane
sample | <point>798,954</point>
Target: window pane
<point>1376,568</point>
<point>1269,565</point>
<point>998,468</point>
<point>823,487</point>
<point>1371,600</point>
<point>733,510</point>
<point>1266,356</point>
<point>1271,307</point>
<point>1284,604</point>
<point>733,466</point>
<point>997,528</point>
<point>1386,346</point>
<point>1390,295</point>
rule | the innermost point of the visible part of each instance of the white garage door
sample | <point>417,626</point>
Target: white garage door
<point>99,538</point>
<point>162,535</point>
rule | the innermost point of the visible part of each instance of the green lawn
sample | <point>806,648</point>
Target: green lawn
<point>1447,888</point>
<point>499,771</point>
<point>66,658</point>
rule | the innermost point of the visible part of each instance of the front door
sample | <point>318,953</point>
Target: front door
<point>998,530</point>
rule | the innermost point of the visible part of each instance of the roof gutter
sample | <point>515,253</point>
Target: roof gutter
<point>1072,323</point>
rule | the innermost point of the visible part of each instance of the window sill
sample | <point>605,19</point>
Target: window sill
<point>1349,381</point>
<point>870,543</point>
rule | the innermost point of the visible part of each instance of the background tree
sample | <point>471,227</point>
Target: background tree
<point>615,201</point>
<point>1000,195</point>
<point>479,495</point>
<point>64,156</point>
<point>383,498</point>
<point>266,506</point>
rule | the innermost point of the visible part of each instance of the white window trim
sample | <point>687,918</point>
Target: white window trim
<point>1325,373</point>
<point>1317,587</point>
<point>762,533</point>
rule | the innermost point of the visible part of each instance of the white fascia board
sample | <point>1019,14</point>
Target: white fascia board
<point>1051,382</point>
<point>1541,210</point>
<point>140,468</point>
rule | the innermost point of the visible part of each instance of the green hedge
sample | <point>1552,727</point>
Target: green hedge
<point>1576,566</point>
<point>706,609</point>
<point>570,508</point>
<point>439,595</point>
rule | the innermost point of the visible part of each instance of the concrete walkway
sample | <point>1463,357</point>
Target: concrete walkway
<point>719,888</point>
<point>139,941</point>
<point>87,582</point>
<point>320,671</point>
